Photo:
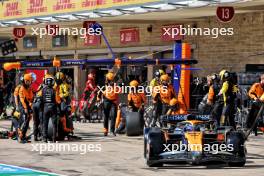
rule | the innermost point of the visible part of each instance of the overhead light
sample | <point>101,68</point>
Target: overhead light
<point>198,3</point>
<point>168,7</point>
<point>94,15</point>
<point>138,9</point>
<point>228,1</point>
<point>112,12</point>
<point>126,11</point>
<point>4,25</point>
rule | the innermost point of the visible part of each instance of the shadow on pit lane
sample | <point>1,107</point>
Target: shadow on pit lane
<point>208,166</point>
<point>84,137</point>
<point>255,156</point>
<point>93,137</point>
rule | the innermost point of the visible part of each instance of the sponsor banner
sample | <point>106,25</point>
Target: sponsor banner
<point>13,9</point>
<point>129,35</point>
<point>92,40</point>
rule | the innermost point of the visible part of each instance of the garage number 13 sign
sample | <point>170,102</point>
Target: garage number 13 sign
<point>225,14</point>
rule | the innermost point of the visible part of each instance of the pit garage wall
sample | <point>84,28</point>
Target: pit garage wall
<point>230,52</point>
<point>213,54</point>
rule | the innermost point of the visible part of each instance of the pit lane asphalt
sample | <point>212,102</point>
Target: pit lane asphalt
<point>119,156</point>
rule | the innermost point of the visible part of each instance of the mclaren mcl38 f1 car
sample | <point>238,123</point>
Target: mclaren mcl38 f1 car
<point>193,139</point>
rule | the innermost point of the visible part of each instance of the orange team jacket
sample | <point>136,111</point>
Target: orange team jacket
<point>111,93</point>
<point>137,98</point>
<point>26,97</point>
<point>255,91</point>
<point>57,90</point>
<point>166,93</point>
<point>16,94</point>
<point>211,94</point>
<point>180,111</point>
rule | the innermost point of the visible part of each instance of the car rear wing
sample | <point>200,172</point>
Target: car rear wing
<point>183,117</point>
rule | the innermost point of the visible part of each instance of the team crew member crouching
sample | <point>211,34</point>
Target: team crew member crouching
<point>162,95</point>
<point>136,102</point>
<point>26,99</point>
<point>110,101</point>
<point>175,107</point>
<point>48,96</point>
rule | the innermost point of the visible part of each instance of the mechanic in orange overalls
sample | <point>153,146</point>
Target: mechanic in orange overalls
<point>255,93</point>
<point>26,99</point>
<point>175,107</point>
<point>162,95</point>
<point>136,101</point>
<point>110,102</point>
<point>16,120</point>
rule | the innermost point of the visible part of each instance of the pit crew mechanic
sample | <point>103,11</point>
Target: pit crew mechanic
<point>49,96</point>
<point>162,94</point>
<point>256,94</point>
<point>110,102</point>
<point>26,99</point>
<point>136,101</point>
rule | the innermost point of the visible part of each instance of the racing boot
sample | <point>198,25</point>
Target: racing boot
<point>112,134</point>
<point>105,132</point>
<point>222,120</point>
<point>19,135</point>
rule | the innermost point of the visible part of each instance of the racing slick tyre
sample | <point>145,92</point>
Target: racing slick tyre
<point>237,140</point>
<point>154,146</point>
<point>50,129</point>
<point>146,131</point>
<point>133,124</point>
<point>60,133</point>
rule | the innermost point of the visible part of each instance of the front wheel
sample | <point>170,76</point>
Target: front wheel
<point>153,147</point>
